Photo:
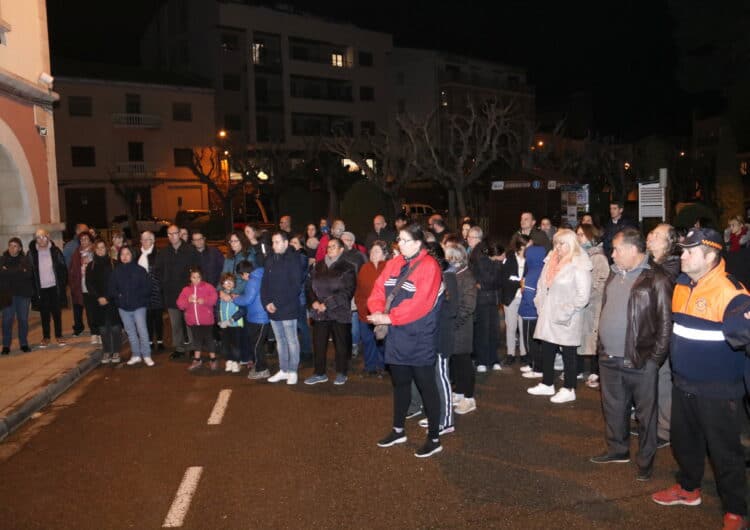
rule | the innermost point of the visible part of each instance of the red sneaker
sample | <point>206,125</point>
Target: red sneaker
<point>676,495</point>
<point>734,522</point>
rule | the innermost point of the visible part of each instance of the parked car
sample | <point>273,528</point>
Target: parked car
<point>153,224</point>
<point>417,211</point>
<point>255,215</point>
<point>192,218</point>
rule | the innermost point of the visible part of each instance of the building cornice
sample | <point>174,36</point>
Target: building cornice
<point>25,90</point>
<point>134,84</point>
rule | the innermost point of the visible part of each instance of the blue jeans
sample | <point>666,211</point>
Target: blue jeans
<point>135,326</point>
<point>305,339</point>
<point>18,308</point>
<point>287,344</point>
<point>374,350</point>
<point>355,329</point>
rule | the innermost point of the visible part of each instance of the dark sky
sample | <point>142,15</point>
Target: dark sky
<point>621,53</point>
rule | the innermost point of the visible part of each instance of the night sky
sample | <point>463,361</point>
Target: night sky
<point>623,55</point>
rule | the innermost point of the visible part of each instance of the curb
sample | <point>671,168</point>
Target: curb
<point>47,395</point>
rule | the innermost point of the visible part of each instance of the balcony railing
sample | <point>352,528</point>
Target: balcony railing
<point>480,81</point>
<point>137,121</point>
<point>131,168</point>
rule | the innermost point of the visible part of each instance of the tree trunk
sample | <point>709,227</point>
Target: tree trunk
<point>460,201</point>
<point>333,199</point>
<point>228,213</point>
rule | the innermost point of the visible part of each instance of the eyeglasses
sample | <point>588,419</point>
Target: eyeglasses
<point>198,238</point>
<point>173,233</point>
<point>402,240</point>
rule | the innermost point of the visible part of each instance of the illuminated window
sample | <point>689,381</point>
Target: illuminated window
<point>743,167</point>
<point>443,98</point>
<point>337,60</point>
<point>258,52</point>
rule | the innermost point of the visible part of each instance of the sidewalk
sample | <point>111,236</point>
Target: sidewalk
<point>30,381</point>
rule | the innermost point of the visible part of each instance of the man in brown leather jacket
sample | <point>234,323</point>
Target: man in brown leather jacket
<point>634,332</point>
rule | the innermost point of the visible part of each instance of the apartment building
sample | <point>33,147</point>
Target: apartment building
<point>128,142</point>
<point>279,75</point>
<point>27,142</point>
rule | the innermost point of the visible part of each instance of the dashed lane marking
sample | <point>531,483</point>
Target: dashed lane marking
<point>217,414</point>
<point>181,502</point>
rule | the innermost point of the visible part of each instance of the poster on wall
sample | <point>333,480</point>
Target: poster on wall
<point>575,201</point>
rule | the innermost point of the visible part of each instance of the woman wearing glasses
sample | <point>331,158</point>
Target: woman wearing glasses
<point>410,346</point>
<point>562,294</point>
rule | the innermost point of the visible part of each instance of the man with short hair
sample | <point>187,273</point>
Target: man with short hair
<point>486,317</point>
<point>380,232</point>
<point>400,222</point>
<point>617,221</point>
<point>634,330</point>
<point>354,256</point>
<point>50,280</point>
<point>708,365</point>
<point>285,225</point>
<point>528,228</point>
<point>173,264</point>
<point>71,246</point>
<point>279,293</point>
<point>210,259</point>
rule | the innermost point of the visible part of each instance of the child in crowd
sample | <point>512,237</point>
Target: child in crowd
<point>231,323</point>
<point>256,320</point>
<point>198,300</point>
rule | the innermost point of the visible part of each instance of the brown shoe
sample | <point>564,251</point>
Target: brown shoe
<point>61,342</point>
<point>44,343</point>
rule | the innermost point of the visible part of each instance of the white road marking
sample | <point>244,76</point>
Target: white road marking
<point>217,414</point>
<point>181,503</point>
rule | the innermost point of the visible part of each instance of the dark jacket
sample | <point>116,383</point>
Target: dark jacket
<point>671,266</point>
<point>509,278</point>
<point>649,317</point>
<point>211,263</point>
<point>539,238</point>
<point>98,274</point>
<point>333,286</point>
<point>156,300</point>
<point>487,274</point>
<point>386,234</point>
<point>448,312</point>
<point>611,229</point>
<point>129,287</point>
<point>281,284</point>
<point>16,277</point>
<point>172,268</point>
<point>58,267</point>
<point>355,257</point>
<point>463,331</point>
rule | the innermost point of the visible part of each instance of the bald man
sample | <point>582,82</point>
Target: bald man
<point>380,232</point>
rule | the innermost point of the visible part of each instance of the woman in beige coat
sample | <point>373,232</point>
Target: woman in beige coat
<point>588,238</point>
<point>562,294</point>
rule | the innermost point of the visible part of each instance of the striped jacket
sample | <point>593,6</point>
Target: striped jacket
<point>707,318</point>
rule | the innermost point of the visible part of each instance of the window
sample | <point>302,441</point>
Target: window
<point>257,52</point>
<point>337,60</point>
<point>135,151</point>
<point>182,111</point>
<point>83,156</point>
<point>232,122</point>
<point>232,82</point>
<point>365,59</point>
<point>367,128</point>
<point>229,42</point>
<point>443,98</point>
<point>183,157</point>
<point>366,93</point>
<point>79,106</point>
<point>132,103</point>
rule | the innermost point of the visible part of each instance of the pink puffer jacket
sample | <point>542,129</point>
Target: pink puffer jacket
<point>200,313</point>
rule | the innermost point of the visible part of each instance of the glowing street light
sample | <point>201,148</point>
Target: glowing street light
<point>626,165</point>
<point>682,153</point>
<point>222,133</point>
<point>540,143</point>
<point>262,175</point>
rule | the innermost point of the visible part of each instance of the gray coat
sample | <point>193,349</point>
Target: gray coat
<point>560,305</point>
<point>599,275</point>
<point>463,338</point>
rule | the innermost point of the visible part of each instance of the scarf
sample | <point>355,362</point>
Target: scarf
<point>143,258</point>
<point>330,261</point>
<point>555,264</point>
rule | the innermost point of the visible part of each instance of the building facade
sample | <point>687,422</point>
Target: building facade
<point>122,144</point>
<point>27,141</point>
<point>279,76</point>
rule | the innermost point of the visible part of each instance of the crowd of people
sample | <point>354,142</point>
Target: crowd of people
<point>655,322</point>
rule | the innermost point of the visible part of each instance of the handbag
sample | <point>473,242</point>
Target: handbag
<point>381,330</point>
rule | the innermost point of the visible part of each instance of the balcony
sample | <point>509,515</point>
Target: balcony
<point>482,81</point>
<point>131,169</point>
<point>136,121</point>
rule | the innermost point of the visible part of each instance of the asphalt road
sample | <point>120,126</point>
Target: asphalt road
<point>115,453</point>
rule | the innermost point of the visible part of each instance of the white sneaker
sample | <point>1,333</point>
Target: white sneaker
<point>563,396</point>
<point>456,398</point>
<point>235,367</point>
<point>291,378</point>
<point>496,367</point>
<point>228,366</point>
<point>281,375</point>
<point>481,369</point>
<point>465,406</point>
<point>592,381</point>
<point>542,390</point>
<point>93,340</point>
<point>149,361</point>
<point>525,368</point>
<point>559,365</point>
<point>532,375</point>
<point>424,423</point>
<point>133,360</point>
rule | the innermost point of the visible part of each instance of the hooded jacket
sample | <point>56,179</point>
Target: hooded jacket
<point>200,312</point>
<point>532,270</point>
<point>255,312</point>
<point>281,284</point>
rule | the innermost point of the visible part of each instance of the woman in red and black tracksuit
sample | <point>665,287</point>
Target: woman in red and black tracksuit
<point>411,344</point>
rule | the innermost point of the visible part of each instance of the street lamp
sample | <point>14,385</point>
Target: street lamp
<point>222,134</point>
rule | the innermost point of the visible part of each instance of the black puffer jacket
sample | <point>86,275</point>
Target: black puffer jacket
<point>487,275</point>
<point>448,312</point>
<point>59,268</point>
<point>16,277</point>
<point>511,281</point>
<point>333,286</point>
<point>172,268</point>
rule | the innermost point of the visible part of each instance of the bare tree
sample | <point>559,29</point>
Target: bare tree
<point>394,162</point>
<point>206,167</point>
<point>463,146</point>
